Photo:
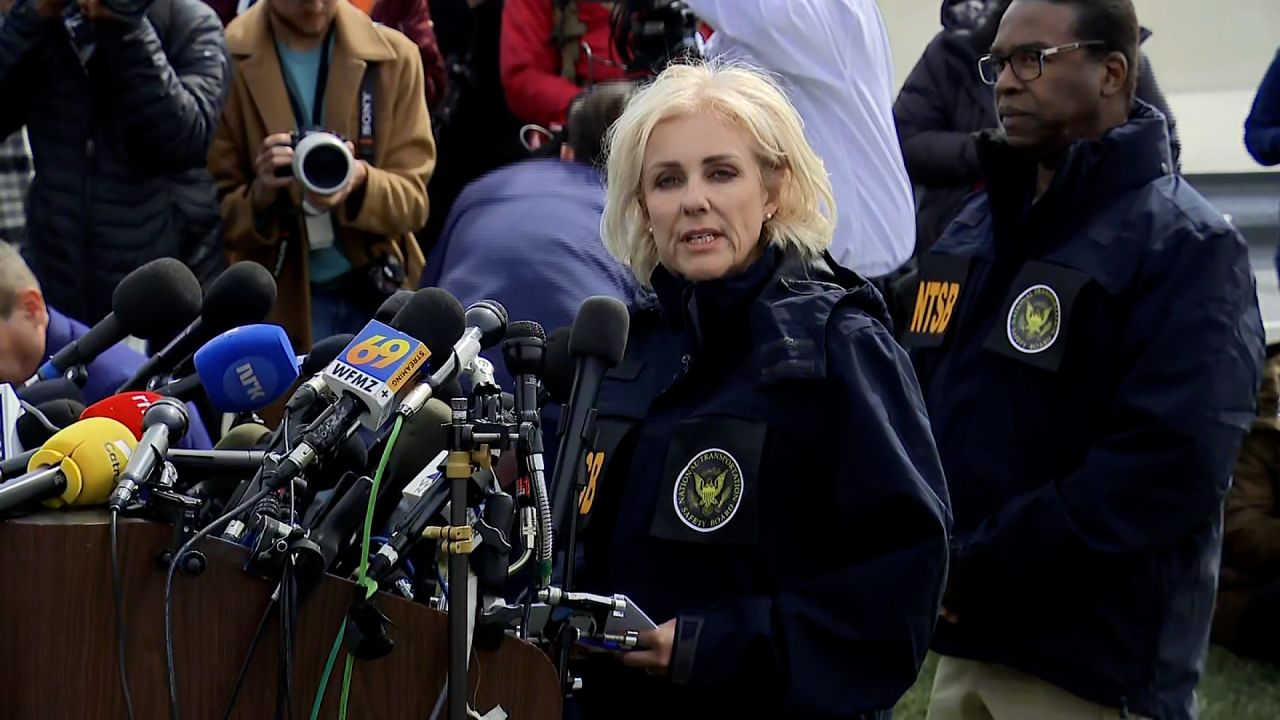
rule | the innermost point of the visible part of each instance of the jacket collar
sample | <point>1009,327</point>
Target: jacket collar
<point>356,44</point>
<point>1092,174</point>
<point>58,334</point>
<point>778,308</point>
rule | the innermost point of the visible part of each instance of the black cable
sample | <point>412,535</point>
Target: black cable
<point>290,623</point>
<point>248,658</point>
<point>174,712</point>
<point>282,649</point>
<point>117,587</point>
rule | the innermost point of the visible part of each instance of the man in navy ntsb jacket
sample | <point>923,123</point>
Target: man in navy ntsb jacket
<point>1089,343</point>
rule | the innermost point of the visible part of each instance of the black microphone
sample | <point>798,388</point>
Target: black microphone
<point>597,343</point>
<point>314,387</point>
<point>217,461</point>
<point>31,429</point>
<point>32,432</point>
<point>485,325</point>
<point>524,352</point>
<point>392,305</point>
<point>422,437</point>
<point>337,523</point>
<point>358,404</point>
<point>44,391</point>
<point>242,295</point>
<point>220,479</point>
<point>164,424</point>
<point>154,300</point>
<point>558,366</point>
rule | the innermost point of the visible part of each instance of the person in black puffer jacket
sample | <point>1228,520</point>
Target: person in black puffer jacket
<point>120,113</point>
<point>944,104</point>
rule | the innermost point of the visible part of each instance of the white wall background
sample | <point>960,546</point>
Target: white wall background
<point>1209,58</point>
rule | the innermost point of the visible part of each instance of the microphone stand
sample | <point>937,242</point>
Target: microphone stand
<point>568,634</point>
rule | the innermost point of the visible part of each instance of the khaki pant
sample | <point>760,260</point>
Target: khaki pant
<point>970,690</point>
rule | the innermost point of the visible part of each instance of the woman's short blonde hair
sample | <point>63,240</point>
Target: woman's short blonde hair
<point>742,97</point>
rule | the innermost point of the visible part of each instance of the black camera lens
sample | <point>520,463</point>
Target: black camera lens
<point>325,167</point>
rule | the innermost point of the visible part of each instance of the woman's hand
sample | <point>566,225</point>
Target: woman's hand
<point>655,658</point>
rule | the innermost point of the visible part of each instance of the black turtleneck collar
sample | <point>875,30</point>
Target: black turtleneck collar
<point>715,310</point>
<point>1092,174</point>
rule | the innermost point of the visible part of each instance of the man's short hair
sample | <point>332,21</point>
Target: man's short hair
<point>590,117</point>
<point>1115,23</point>
<point>15,277</point>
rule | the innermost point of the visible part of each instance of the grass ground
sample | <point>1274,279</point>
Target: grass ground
<point>1232,689</point>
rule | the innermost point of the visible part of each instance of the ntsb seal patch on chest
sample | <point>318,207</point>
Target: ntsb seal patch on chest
<point>1035,319</point>
<point>708,490</point>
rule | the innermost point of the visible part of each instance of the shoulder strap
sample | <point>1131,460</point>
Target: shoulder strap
<point>366,145</point>
<point>568,32</point>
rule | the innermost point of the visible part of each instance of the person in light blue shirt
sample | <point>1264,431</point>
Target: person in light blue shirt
<point>331,313</point>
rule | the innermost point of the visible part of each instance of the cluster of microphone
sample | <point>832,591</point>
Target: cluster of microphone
<point>401,427</point>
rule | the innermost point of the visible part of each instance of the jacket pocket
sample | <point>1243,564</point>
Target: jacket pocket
<point>1036,314</point>
<point>710,486</point>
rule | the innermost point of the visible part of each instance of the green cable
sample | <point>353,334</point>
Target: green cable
<point>328,670</point>
<point>370,586</point>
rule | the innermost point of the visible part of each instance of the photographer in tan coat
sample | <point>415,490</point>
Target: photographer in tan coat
<point>324,65</point>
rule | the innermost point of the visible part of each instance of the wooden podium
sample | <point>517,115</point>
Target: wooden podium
<point>58,643</point>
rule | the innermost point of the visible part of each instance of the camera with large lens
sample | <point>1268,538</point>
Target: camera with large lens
<point>322,162</point>
<point>651,34</point>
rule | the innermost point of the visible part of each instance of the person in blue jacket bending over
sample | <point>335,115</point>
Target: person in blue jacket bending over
<point>31,331</point>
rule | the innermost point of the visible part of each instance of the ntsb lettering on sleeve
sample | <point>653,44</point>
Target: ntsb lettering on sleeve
<point>942,280</point>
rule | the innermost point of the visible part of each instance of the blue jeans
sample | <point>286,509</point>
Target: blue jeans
<point>333,314</point>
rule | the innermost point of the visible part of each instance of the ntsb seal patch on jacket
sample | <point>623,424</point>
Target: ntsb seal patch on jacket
<point>708,491</point>
<point>1034,319</point>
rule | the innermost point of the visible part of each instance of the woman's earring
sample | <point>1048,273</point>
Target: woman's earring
<point>768,217</point>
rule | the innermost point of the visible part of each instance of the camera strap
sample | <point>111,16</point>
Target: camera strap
<point>366,144</point>
<point>322,80</point>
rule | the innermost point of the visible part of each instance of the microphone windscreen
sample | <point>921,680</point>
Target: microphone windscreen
<point>557,368</point>
<point>386,312</point>
<point>241,295</point>
<point>60,413</point>
<point>157,300</point>
<point>324,352</point>
<point>524,349</point>
<point>47,390</point>
<point>91,454</point>
<point>247,368</point>
<point>526,329</point>
<point>600,330</point>
<point>490,317</point>
<point>126,408</point>
<point>434,317</point>
<point>243,437</point>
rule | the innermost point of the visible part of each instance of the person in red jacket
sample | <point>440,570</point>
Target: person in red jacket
<point>537,87</point>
